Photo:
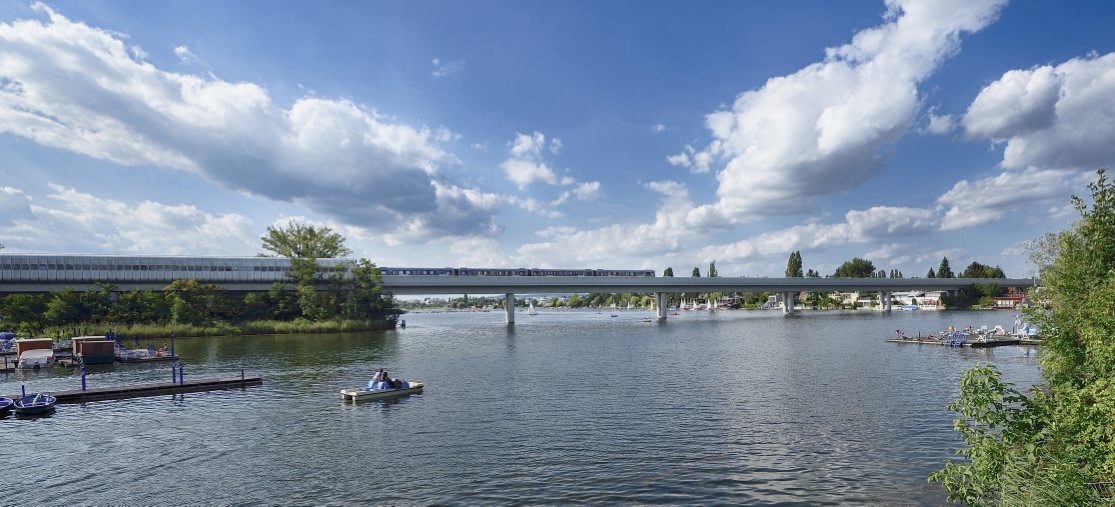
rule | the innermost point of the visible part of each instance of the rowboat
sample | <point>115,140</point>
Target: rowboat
<point>34,404</point>
<point>375,391</point>
<point>5,406</point>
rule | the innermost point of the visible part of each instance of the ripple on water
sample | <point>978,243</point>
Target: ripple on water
<point>572,407</point>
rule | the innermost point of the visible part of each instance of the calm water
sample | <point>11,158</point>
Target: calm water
<point>567,407</point>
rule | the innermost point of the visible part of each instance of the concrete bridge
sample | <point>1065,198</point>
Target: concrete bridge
<point>660,286</point>
<point>46,272</point>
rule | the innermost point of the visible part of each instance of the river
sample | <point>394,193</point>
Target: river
<point>732,407</point>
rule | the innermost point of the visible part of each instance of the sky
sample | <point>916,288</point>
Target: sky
<point>575,134</point>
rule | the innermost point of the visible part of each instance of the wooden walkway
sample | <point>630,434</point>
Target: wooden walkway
<point>137,391</point>
<point>969,344</point>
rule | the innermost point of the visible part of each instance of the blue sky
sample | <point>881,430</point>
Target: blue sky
<point>556,134</point>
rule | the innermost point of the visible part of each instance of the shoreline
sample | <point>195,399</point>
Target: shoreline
<point>251,328</point>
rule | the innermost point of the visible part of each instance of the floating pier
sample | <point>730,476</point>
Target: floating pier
<point>967,344</point>
<point>159,389</point>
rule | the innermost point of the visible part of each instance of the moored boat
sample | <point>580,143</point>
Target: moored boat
<point>33,404</point>
<point>378,391</point>
<point>36,359</point>
<point>5,406</point>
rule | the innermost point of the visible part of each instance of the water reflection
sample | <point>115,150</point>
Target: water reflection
<point>562,407</point>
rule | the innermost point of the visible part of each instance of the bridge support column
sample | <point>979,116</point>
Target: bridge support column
<point>889,303</point>
<point>660,305</point>
<point>787,303</point>
<point>509,307</point>
<point>790,297</point>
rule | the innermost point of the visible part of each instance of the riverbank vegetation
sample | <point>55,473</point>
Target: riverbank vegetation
<point>1053,444</point>
<point>344,298</point>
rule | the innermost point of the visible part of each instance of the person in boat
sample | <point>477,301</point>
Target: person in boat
<point>378,376</point>
<point>162,350</point>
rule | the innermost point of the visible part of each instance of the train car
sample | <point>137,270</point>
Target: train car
<point>418,271</point>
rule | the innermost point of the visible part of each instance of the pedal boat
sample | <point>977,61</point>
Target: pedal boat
<point>365,393</point>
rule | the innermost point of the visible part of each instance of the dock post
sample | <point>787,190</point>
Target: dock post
<point>83,378</point>
<point>172,344</point>
<point>173,372</point>
<point>24,388</point>
<point>181,374</point>
<point>509,307</point>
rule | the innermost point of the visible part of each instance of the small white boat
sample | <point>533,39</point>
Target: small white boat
<point>35,359</point>
<point>374,391</point>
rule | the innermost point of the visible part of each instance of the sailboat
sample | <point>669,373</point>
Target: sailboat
<point>614,314</point>
<point>532,310</point>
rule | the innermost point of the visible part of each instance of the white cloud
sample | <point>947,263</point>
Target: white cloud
<point>526,167</point>
<point>879,223</point>
<point>940,124</point>
<point>524,172</point>
<point>186,56</point>
<point>70,86</point>
<point>448,68</point>
<point>658,128</point>
<point>990,199</point>
<point>138,52</point>
<point>1060,117</point>
<point>587,191</point>
<point>76,221</point>
<point>824,129</point>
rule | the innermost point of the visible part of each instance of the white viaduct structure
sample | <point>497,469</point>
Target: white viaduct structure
<point>660,286</point>
<point>22,273</point>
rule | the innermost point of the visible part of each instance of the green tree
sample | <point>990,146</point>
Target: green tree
<point>712,270</point>
<point>812,274</point>
<point>931,274</point>
<point>696,272</point>
<point>302,240</point>
<point>25,312</point>
<point>944,271</point>
<point>793,265</point>
<point>1055,444</point>
<point>855,268</point>
<point>669,272</point>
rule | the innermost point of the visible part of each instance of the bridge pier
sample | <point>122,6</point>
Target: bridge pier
<point>660,305</point>
<point>787,303</point>
<point>509,307</point>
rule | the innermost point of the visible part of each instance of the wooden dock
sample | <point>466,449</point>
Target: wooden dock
<point>138,391</point>
<point>968,344</point>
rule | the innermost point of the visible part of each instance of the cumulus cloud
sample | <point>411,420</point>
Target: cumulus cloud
<point>77,221</point>
<point>940,124</point>
<point>825,128</point>
<point>526,167</point>
<point>186,56</point>
<point>1050,117</point>
<point>990,199</point>
<point>879,223</point>
<point>74,87</point>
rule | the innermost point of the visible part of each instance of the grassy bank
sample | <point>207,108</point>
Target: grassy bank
<point>256,327</point>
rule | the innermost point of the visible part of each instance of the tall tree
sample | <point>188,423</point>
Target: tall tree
<point>855,268</point>
<point>696,272</point>
<point>299,240</point>
<point>669,272</point>
<point>712,269</point>
<point>1054,444</point>
<point>931,274</point>
<point>793,265</point>
<point>944,271</point>
<point>812,274</point>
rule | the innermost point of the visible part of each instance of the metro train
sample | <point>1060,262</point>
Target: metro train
<point>387,271</point>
